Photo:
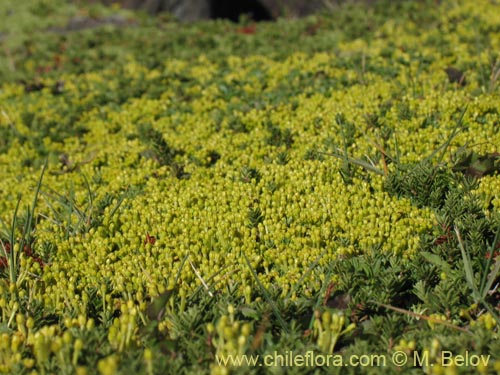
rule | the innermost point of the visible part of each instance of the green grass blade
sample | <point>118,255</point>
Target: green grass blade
<point>305,274</point>
<point>398,153</point>
<point>178,275</point>
<point>492,276</point>
<point>268,298</point>
<point>437,261</point>
<point>486,281</point>
<point>12,256</point>
<point>33,205</point>
<point>358,162</point>
<point>469,273</point>
<point>118,204</point>
<point>90,208</point>
<point>492,311</point>
<point>445,145</point>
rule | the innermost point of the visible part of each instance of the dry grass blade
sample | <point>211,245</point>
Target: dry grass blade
<point>197,273</point>
<point>424,317</point>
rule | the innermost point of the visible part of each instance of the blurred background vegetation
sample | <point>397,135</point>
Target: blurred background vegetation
<point>49,37</point>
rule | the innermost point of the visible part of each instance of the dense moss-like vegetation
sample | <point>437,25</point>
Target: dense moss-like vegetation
<point>174,194</point>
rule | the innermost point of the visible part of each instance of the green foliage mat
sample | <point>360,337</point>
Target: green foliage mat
<point>304,196</point>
